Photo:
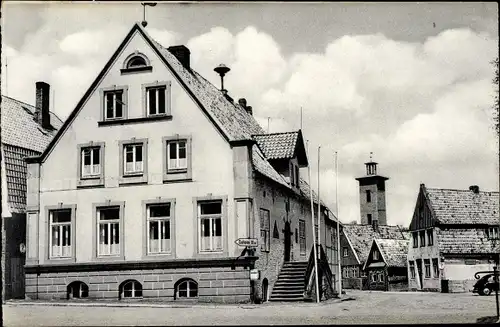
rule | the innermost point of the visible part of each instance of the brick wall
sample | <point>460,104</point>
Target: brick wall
<point>221,285</point>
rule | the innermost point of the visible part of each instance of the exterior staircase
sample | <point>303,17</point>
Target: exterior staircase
<point>290,284</point>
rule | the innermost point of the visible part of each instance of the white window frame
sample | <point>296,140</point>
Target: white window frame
<point>435,268</point>
<point>161,222</point>
<point>157,90</point>
<point>181,164</point>
<point>95,169</point>
<point>412,269</point>
<point>111,251</point>
<point>265,229</point>
<point>135,162</point>
<point>422,236</point>
<point>302,237</point>
<point>415,237</point>
<point>212,219</point>
<point>425,268</point>
<point>345,252</point>
<point>133,290</point>
<point>65,251</point>
<point>375,255</point>
<point>430,237</point>
<point>167,85</point>
<point>123,101</point>
<point>188,289</point>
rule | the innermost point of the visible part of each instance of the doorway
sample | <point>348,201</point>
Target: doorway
<point>265,290</point>
<point>288,241</point>
<point>420,273</point>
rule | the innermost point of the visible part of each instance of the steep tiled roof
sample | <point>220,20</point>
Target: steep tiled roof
<point>19,128</point>
<point>393,251</point>
<point>463,206</point>
<point>277,145</point>
<point>362,236</point>
<point>264,167</point>
<point>465,241</point>
<point>21,137</point>
<point>15,171</point>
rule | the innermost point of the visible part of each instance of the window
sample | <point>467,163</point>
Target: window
<point>302,236</point>
<point>430,237</point>
<point>77,290</point>
<point>186,288</point>
<point>265,229</point>
<point>435,266</point>
<point>345,252</point>
<point>345,272</point>
<point>381,277</point>
<point>492,233</point>
<point>415,239</point>
<point>177,158</point>
<point>60,233</point>
<point>412,269</point>
<point>133,159</point>
<point>156,102</point>
<point>375,255</point>
<point>369,216</point>
<point>422,238</point>
<point>91,162</point>
<point>177,155</point>
<point>130,289</point>
<point>296,235</point>
<point>114,104</point>
<point>316,232</point>
<point>368,196</point>
<point>427,264</point>
<point>158,216</point>
<point>210,226</point>
<point>109,231</point>
<point>292,174</point>
<point>374,277</point>
<point>297,181</point>
<point>136,61</point>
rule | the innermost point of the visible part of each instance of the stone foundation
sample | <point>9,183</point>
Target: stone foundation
<point>217,284</point>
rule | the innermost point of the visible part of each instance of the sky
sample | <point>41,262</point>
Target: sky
<point>410,82</point>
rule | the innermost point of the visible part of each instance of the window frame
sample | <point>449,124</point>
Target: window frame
<point>422,236</point>
<point>266,246</point>
<point>427,265</point>
<point>188,297</point>
<point>415,238</point>
<point>135,177</point>
<point>197,227</point>
<point>345,251</point>
<point>375,255</point>
<point>411,265</point>
<point>369,218</point>
<point>95,180</point>
<point>302,237</point>
<point>48,210</point>
<point>126,69</point>
<point>145,205</point>
<point>102,93</point>
<point>492,233</point>
<point>176,175</point>
<point>82,289</point>
<point>168,98</point>
<point>95,234</point>
<point>435,268</point>
<point>430,237</point>
<point>133,282</point>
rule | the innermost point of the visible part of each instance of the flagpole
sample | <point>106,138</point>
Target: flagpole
<point>338,219</point>
<point>313,230</point>
<point>319,205</point>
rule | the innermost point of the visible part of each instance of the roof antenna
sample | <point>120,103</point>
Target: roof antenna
<point>222,70</point>
<point>371,156</point>
<point>144,23</point>
<point>268,120</point>
<point>6,79</point>
<point>301,117</point>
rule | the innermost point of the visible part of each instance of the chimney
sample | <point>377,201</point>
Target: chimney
<point>243,104</point>
<point>474,189</point>
<point>42,114</point>
<point>249,110</point>
<point>375,225</point>
<point>182,53</point>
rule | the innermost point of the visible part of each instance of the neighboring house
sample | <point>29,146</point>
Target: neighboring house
<point>151,180</point>
<point>385,266</point>
<point>356,239</point>
<point>454,235</point>
<point>26,131</point>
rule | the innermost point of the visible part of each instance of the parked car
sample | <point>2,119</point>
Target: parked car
<point>485,285</point>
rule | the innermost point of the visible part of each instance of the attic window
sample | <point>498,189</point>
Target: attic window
<point>136,62</point>
<point>492,233</point>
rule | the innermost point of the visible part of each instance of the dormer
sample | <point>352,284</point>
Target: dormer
<point>136,62</point>
<point>286,153</point>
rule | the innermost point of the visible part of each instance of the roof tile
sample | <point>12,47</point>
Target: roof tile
<point>277,145</point>
<point>394,251</point>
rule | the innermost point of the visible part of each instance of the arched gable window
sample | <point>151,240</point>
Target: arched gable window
<point>77,290</point>
<point>130,289</point>
<point>136,62</point>
<point>186,288</point>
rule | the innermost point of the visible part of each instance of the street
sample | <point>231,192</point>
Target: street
<point>364,308</point>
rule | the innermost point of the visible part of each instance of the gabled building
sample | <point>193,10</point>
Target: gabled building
<point>356,239</point>
<point>26,132</point>
<point>385,266</point>
<point>162,174</point>
<point>454,235</point>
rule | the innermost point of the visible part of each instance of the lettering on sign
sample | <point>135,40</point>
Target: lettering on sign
<point>248,242</point>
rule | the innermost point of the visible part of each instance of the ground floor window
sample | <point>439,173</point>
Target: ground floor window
<point>302,236</point>
<point>131,289</point>
<point>435,266</point>
<point>412,269</point>
<point>427,264</point>
<point>186,288</point>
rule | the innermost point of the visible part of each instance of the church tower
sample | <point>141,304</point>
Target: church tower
<point>372,196</point>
